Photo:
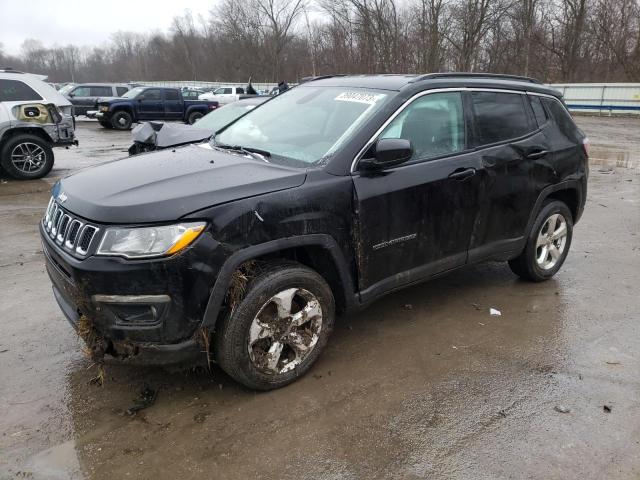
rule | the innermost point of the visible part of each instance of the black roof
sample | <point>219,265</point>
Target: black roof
<point>435,80</point>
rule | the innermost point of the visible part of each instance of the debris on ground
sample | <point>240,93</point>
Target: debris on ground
<point>613,363</point>
<point>476,306</point>
<point>200,417</point>
<point>99,378</point>
<point>561,409</point>
<point>495,312</point>
<point>607,408</point>
<point>145,400</point>
<point>407,306</point>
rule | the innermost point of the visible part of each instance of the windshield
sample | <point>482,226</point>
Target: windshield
<point>223,116</point>
<point>304,125</point>
<point>219,91</point>
<point>133,92</point>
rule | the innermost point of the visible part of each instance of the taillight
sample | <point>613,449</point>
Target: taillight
<point>585,145</point>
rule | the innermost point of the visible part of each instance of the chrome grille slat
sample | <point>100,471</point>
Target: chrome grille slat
<point>69,232</point>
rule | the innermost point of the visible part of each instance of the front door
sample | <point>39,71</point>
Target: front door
<point>416,219</point>
<point>150,106</point>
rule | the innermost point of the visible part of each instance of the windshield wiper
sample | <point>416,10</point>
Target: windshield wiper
<point>252,152</point>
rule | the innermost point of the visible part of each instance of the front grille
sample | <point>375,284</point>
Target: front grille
<point>69,232</point>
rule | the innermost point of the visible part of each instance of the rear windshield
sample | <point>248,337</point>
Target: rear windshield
<point>305,125</point>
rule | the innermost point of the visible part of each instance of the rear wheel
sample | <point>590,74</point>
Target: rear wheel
<point>121,120</point>
<point>548,244</point>
<point>278,329</point>
<point>193,117</point>
<point>26,156</point>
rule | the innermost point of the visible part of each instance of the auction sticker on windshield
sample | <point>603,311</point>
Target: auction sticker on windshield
<point>359,97</point>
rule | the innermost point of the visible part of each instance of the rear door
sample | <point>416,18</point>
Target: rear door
<point>173,104</point>
<point>515,161</point>
<point>150,106</point>
<point>416,219</point>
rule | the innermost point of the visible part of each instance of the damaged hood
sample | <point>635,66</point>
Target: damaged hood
<point>166,185</point>
<point>164,135</point>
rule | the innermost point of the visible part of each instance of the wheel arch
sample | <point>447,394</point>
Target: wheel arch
<point>39,132</point>
<point>319,252</point>
<point>569,192</point>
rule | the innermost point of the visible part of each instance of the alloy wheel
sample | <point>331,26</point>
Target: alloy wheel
<point>285,331</point>
<point>551,242</point>
<point>28,157</point>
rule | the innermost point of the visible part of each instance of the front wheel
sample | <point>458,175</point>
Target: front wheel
<point>548,243</point>
<point>121,120</point>
<point>278,329</point>
<point>26,157</point>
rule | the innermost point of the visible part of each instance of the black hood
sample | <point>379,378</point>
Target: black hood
<point>164,186</point>
<point>164,135</point>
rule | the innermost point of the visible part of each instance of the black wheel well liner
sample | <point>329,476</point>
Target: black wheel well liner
<point>319,252</point>
<point>570,192</point>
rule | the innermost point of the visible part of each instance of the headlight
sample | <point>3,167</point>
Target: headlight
<point>104,108</point>
<point>143,242</point>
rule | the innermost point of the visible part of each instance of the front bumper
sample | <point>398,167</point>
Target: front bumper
<point>144,312</point>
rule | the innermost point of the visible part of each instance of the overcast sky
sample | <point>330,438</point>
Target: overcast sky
<point>87,22</point>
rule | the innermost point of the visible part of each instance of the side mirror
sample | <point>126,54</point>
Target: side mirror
<point>387,152</point>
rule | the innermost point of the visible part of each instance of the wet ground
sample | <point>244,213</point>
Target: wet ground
<point>423,384</point>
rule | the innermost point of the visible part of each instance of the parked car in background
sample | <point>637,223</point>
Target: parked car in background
<point>150,103</point>
<point>224,95</point>
<point>318,202</point>
<point>150,136</point>
<point>84,96</point>
<point>34,117</point>
<point>192,93</point>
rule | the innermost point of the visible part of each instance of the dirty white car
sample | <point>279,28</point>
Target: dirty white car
<point>34,118</point>
<point>224,95</point>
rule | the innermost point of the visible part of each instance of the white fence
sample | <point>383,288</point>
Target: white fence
<point>607,98</point>
<point>602,98</point>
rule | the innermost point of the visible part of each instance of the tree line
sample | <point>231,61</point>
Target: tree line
<point>273,40</point>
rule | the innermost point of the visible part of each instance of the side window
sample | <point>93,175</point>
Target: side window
<point>563,119</point>
<point>228,91</point>
<point>538,110</point>
<point>121,90</point>
<point>433,123</point>
<point>100,92</point>
<point>153,94</point>
<point>499,116</point>
<point>81,92</point>
<point>240,91</point>
<point>15,91</point>
<point>171,95</point>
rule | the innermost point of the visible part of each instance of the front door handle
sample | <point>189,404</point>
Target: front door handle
<point>463,174</point>
<point>537,154</point>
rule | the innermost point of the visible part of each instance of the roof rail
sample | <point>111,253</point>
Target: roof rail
<point>320,77</point>
<point>495,76</point>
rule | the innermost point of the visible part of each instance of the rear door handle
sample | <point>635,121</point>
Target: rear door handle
<point>463,174</point>
<point>537,154</point>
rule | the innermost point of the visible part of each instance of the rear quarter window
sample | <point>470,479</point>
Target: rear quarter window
<point>499,117</point>
<point>16,91</point>
<point>563,120</point>
<point>538,110</point>
<point>121,90</point>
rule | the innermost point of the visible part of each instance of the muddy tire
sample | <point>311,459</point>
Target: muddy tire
<point>26,157</point>
<point>121,120</point>
<point>193,117</point>
<point>279,327</point>
<point>548,243</point>
<point>105,124</point>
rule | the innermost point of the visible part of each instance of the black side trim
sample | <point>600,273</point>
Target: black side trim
<point>238,258</point>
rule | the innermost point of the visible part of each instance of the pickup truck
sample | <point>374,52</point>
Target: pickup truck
<point>150,103</point>
<point>224,95</point>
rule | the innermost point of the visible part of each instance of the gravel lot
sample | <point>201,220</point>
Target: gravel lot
<point>423,384</point>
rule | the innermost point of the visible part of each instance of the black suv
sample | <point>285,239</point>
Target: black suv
<point>319,201</point>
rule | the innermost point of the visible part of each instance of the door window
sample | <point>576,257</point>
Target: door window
<point>100,91</point>
<point>499,117</point>
<point>82,92</point>
<point>171,95</point>
<point>240,91</point>
<point>434,124</point>
<point>15,91</point>
<point>153,94</point>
